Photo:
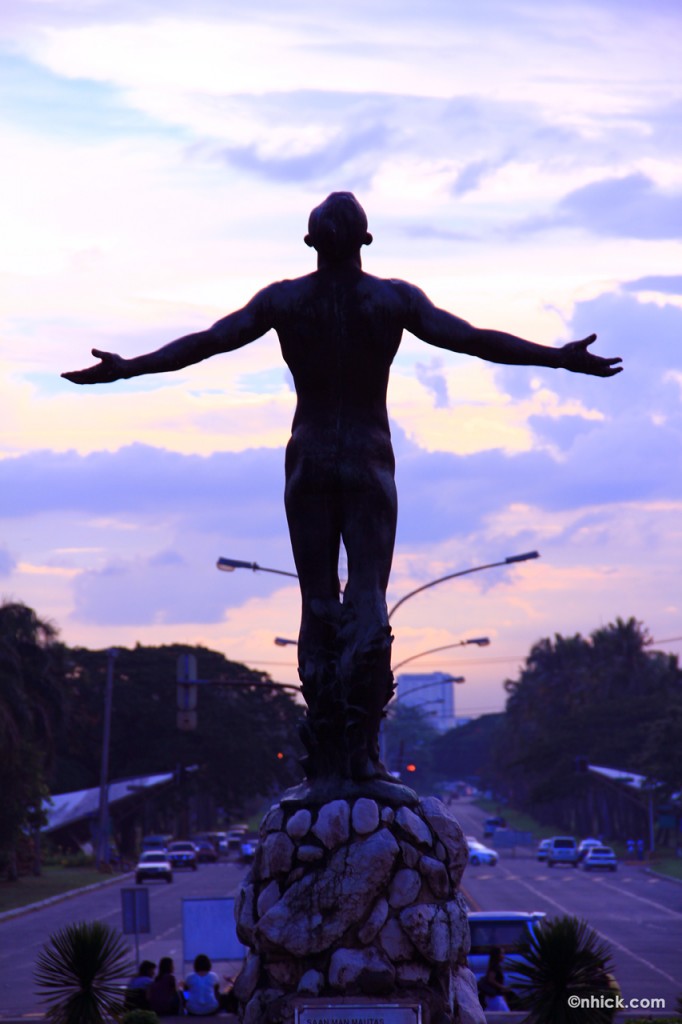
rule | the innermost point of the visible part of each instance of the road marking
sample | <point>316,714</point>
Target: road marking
<point>643,899</point>
<point>613,942</point>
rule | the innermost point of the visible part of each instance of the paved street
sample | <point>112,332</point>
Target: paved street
<point>21,938</point>
<point>640,914</point>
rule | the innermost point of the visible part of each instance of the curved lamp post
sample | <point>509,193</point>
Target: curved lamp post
<point>527,556</point>
<point>230,564</point>
<point>480,641</point>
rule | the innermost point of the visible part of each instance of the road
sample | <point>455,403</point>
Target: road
<point>638,913</point>
<point>22,938</point>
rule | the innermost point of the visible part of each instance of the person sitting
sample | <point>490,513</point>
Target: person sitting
<point>138,987</point>
<point>492,986</point>
<point>162,995</point>
<point>202,989</point>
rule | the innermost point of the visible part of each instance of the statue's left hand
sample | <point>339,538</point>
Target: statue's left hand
<point>577,359</point>
<point>111,367</point>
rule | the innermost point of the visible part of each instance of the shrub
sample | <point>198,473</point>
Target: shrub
<point>81,970</point>
<point>564,958</point>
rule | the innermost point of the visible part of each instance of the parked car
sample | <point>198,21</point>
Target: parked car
<point>491,825</point>
<point>153,865</point>
<point>507,929</point>
<point>543,849</point>
<point>247,851</point>
<point>562,850</point>
<point>206,851</point>
<point>235,836</point>
<point>183,854</point>
<point>479,853</point>
<point>586,845</point>
<point>155,842</point>
<point>599,858</point>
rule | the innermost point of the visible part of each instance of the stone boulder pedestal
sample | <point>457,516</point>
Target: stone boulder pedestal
<point>356,898</point>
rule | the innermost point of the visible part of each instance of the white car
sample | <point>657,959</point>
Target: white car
<point>586,845</point>
<point>154,866</point>
<point>543,849</point>
<point>599,858</point>
<point>480,854</point>
<point>562,850</point>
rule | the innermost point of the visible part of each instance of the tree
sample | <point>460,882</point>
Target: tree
<point>30,710</point>
<point>409,738</point>
<point>578,698</point>
<point>466,753</point>
<point>243,723</point>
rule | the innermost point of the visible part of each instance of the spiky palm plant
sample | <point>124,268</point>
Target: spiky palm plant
<point>565,958</point>
<point>81,969</point>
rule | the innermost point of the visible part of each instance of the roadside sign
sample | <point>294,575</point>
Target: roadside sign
<point>135,912</point>
<point>208,926</point>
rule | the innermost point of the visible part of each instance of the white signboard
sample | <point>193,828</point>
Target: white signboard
<point>358,1013</point>
<point>208,926</point>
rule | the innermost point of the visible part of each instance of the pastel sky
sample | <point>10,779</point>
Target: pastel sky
<point>519,161</point>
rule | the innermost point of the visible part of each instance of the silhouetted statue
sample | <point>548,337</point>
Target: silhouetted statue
<point>339,329</point>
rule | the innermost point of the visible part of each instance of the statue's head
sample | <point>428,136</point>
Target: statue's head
<point>338,227</point>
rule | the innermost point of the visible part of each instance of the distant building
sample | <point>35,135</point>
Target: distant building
<point>435,693</point>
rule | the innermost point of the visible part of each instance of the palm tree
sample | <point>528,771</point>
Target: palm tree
<point>566,958</point>
<point>81,970</point>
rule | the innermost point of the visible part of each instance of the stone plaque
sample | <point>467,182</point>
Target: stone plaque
<point>343,1012</point>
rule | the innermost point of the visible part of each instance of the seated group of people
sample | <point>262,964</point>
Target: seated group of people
<point>199,995</point>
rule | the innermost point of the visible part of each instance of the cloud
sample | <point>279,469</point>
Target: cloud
<point>434,381</point>
<point>665,284</point>
<point>7,563</point>
<point>351,156</point>
<point>632,206</point>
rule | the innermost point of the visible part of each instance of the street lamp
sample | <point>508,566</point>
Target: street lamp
<point>463,572</point>
<point>230,564</point>
<point>479,641</point>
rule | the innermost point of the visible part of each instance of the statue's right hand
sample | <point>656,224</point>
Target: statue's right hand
<point>110,368</point>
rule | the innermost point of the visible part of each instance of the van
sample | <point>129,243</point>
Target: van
<point>562,850</point>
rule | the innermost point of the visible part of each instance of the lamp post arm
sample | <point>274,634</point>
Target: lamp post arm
<point>462,572</point>
<point>228,564</point>
<point>445,647</point>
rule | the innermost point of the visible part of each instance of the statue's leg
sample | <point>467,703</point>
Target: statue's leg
<point>368,530</point>
<point>312,511</point>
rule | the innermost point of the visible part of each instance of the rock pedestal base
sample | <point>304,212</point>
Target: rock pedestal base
<point>356,897</point>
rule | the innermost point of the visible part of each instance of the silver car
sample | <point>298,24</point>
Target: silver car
<point>153,865</point>
<point>599,858</point>
<point>479,853</point>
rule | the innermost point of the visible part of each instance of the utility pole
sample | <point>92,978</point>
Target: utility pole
<point>102,856</point>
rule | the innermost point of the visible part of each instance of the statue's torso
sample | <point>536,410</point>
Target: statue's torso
<point>339,330</point>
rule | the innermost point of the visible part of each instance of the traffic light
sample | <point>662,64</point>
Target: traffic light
<point>411,767</point>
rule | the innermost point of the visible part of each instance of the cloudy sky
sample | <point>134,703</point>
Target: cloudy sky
<point>518,161</point>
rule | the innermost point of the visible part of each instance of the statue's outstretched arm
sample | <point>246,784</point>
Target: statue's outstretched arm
<point>232,332</point>
<point>438,327</point>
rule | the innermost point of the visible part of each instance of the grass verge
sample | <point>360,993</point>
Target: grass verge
<point>54,881</point>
